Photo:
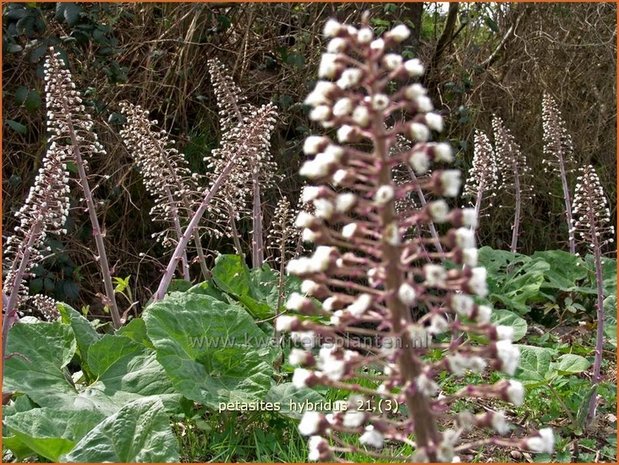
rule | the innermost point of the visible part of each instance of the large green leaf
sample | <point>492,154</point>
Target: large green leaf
<point>507,318</point>
<point>610,331</point>
<point>496,260</point>
<point>39,354</point>
<point>139,432</point>
<point>208,288</point>
<point>212,351</point>
<point>136,331</point>
<point>565,269</point>
<point>85,334</point>
<point>232,276</point>
<point>126,366</point>
<point>571,364</point>
<point>121,376</point>
<point>534,363</point>
<point>49,432</point>
<point>265,286</point>
<point>292,401</point>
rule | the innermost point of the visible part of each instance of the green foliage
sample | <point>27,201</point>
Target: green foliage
<point>139,432</point>
<point>121,397</point>
<point>212,351</point>
<point>257,289</point>
<point>552,280</point>
<point>48,432</point>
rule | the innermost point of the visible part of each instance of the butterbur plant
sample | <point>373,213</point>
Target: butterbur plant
<point>367,277</point>
<point>482,177</point>
<point>167,177</point>
<point>558,150</point>
<point>514,171</point>
<point>594,230</point>
<point>283,236</point>
<point>246,129</point>
<point>70,130</point>
<point>44,212</point>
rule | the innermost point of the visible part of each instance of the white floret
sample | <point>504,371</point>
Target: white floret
<point>360,305</point>
<point>300,377</point>
<point>310,423</point>
<point>407,294</point>
<point>399,33</point>
<point>372,438</point>
<point>344,202</point>
<point>414,67</point>
<point>332,28</point>
<point>419,161</point>
<point>419,132</point>
<point>508,355</point>
<point>450,182</point>
<point>383,194</point>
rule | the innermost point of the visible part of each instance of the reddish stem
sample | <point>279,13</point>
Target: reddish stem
<point>190,230</point>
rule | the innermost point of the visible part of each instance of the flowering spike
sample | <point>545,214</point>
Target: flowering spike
<point>283,236</point>
<point>231,100</point>
<point>371,276</point>
<point>558,150</point>
<point>254,165</point>
<point>166,176</point>
<point>514,171</point>
<point>70,127</point>
<point>483,177</point>
<point>44,212</point>
<point>255,169</point>
<point>593,227</point>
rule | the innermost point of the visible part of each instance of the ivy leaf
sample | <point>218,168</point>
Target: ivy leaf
<point>138,432</point>
<point>69,11</point>
<point>17,127</point>
<point>21,94</point>
<point>33,101</point>
<point>491,24</point>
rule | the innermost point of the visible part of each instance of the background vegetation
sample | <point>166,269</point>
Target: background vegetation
<point>483,59</point>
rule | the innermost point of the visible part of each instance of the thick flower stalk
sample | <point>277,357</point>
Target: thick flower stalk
<point>167,177</point>
<point>44,212</point>
<point>483,178</point>
<point>377,306</point>
<point>558,150</point>
<point>593,228</point>
<point>514,172</point>
<point>255,168</point>
<point>70,128</point>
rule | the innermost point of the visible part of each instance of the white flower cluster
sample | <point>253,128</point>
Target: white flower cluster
<point>512,165</point>
<point>246,131</point>
<point>592,221</point>
<point>386,275</point>
<point>558,145</point>
<point>483,176</point>
<point>165,172</point>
